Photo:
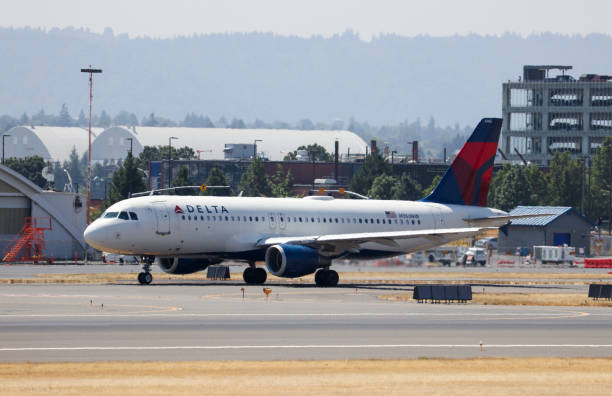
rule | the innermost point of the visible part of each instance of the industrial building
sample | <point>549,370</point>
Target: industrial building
<point>64,213</point>
<point>564,226</point>
<point>545,114</point>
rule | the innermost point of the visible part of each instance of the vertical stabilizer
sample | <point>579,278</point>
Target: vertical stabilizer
<point>467,180</point>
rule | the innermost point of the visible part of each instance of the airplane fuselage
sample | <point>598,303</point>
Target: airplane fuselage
<point>231,227</point>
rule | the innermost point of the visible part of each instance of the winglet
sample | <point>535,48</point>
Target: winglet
<point>467,180</point>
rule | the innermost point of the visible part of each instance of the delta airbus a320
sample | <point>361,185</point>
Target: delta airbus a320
<point>300,236</point>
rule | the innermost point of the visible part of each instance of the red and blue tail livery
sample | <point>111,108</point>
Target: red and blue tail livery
<point>467,180</point>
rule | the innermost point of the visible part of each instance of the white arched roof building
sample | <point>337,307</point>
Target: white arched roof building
<point>113,142</point>
<point>50,143</point>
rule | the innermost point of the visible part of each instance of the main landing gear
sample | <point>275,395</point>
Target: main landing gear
<point>253,275</point>
<point>326,278</point>
<point>145,277</point>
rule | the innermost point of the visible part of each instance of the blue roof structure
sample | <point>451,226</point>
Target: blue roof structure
<point>541,221</point>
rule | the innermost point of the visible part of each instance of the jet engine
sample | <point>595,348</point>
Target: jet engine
<point>292,261</point>
<point>182,266</point>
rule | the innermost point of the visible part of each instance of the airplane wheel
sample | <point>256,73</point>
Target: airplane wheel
<point>141,278</point>
<point>260,276</point>
<point>332,278</point>
<point>326,278</point>
<point>248,275</point>
<point>148,278</point>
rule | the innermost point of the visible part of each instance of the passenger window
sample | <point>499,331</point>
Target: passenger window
<point>312,219</point>
<point>123,216</point>
<point>337,220</point>
<point>360,221</point>
<point>207,218</point>
<point>256,218</point>
<point>250,218</point>
<point>323,219</point>
<point>377,221</point>
<point>189,217</point>
<point>244,218</point>
<point>300,219</point>
<point>183,217</point>
<point>111,215</point>
<point>419,221</point>
<point>202,218</point>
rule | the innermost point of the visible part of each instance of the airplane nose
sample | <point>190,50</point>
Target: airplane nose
<point>95,235</point>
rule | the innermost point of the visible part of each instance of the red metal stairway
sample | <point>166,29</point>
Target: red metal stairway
<point>29,243</point>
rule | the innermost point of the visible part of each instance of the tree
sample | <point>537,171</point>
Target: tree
<point>104,120</point>
<point>216,177</point>
<point>373,166</point>
<point>73,166</point>
<point>159,153</point>
<point>316,150</point>
<point>82,121</point>
<point>382,187</point>
<point>254,182</point>
<point>406,188</point>
<point>64,118</point>
<point>125,118</point>
<point>182,178</point>
<point>237,123</point>
<point>24,120</point>
<point>281,182</point>
<point>126,180</point>
<point>601,191</point>
<point>565,181</point>
<point>29,167</point>
<point>432,186</point>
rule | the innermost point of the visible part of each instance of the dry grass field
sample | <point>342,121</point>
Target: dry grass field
<point>353,277</point>
<point>474,377</point>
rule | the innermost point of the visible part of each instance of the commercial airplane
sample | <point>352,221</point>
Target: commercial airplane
<point>301,236</point>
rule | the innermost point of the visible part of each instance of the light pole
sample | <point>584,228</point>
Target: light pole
<point>3,136</point>
<point>255,148</point>
<point>91,73</point>
<point>131,141</point>
<point>393,152</point>
<point>170,159</point>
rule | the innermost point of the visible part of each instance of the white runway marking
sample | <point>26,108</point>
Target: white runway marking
<point>257,315</point>
<point>357,346</point>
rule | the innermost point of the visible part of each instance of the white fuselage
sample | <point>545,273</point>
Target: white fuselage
<point>230,226</point>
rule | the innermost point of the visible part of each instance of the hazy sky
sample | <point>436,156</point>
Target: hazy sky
<point>168,18</point>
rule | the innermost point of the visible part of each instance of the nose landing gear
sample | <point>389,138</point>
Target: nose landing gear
<point>145,277</point>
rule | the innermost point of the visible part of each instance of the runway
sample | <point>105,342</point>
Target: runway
<point>207,321</point>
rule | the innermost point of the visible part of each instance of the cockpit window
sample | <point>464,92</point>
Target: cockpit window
<point>133,216</point>
<point>123,216</point>
<point>111,215</point>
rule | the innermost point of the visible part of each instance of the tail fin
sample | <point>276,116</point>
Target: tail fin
<point>466,182</point>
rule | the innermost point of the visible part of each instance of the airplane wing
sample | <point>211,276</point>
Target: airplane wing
<point>386,238</point>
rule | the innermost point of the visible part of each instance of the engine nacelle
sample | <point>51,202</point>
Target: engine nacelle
<point>182,266</point>
<point>292,261</point>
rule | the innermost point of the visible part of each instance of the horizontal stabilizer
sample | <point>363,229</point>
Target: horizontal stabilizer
<point>496,221</point>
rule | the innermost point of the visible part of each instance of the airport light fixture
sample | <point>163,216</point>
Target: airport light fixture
<point>255,148</point>
<point>91,73</point>
<point>3,136</point>
<point>170,159</point>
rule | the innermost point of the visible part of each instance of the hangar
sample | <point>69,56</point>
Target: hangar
<point>565,225</point>
<point>50,143</point>
<point>20,198</point>
<point>209,143</point>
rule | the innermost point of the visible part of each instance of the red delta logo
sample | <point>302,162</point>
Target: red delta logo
<point>178,210</point>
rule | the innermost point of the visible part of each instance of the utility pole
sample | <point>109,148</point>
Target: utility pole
<point>131,141</point>
<point>3,136</point>
<point>91,73</point>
